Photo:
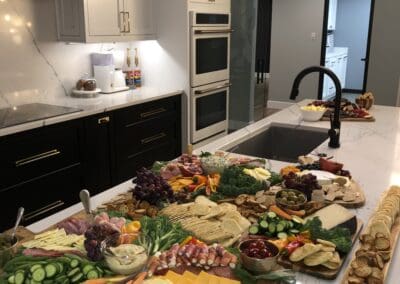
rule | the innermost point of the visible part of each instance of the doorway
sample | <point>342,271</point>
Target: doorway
<point>345,46</point>
<point>262,60</point>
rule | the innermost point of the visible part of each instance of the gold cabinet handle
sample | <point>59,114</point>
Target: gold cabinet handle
<point>122,18</point>
<point>153,138</point>
<point>152,112</point>
<point>43,210</point>
<point>103,120</point>
<point>37,157</point>
<point>128,22</point>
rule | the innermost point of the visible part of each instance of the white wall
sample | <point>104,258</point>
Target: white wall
<point>292,47</point>
<point>384,68</point>
<point>35,67</point>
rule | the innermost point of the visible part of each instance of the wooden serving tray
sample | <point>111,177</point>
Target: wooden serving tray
<point>359,202</point>
<point>318,271</point>
<point>394,236</point>
<point>370,119</point>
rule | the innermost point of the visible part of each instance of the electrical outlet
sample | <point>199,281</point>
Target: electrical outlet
<point>313,36</point>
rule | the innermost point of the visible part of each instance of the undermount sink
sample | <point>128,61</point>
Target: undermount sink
<point>282,142</point>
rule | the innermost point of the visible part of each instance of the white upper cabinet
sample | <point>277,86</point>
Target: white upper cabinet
<point>94,21</point>
<point>139,17</point>
<point>103,17</point>
<point>332,14</point>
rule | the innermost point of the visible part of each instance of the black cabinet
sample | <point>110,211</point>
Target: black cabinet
<point>146,133</point>
<point>97,152</point>
<point>41,171</point>
<point>44,169</point>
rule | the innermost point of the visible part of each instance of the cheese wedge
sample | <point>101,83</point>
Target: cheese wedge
<point>335,215</point>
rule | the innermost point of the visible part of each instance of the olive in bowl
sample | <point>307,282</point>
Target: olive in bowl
<point>290,199</point>
<point>258,255</point>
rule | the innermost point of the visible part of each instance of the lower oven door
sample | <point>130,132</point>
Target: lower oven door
<point>209,110</point>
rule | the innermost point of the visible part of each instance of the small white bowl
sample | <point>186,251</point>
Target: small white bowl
<point>312,115</point>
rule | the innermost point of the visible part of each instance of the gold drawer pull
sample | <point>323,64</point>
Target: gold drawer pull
<point>103,120</point>
<point>43,210</point>
<point>152,112</point>
<point>153,138</point>
<point>37,157</point>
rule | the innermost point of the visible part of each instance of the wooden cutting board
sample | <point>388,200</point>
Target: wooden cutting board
<point>318,271</point>
<point>358,202</point>
<point>370,119</point>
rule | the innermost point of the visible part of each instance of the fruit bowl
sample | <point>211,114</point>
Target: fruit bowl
<point>258,255</point>
<point>312,113</point>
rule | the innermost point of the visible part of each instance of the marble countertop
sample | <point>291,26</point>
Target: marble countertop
<point>370,150</point>
<point>91,106</point>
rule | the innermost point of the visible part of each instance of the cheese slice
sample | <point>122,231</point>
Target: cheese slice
<point>189,275</point>
<point>336,215</point>
<point>173,277</point>
<point>223,280</point>
<point>213,279</point>
<point>202,278</point>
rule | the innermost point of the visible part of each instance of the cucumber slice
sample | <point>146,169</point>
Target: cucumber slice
<point>11,279</point>
<point>271,228</point>
<point>39,275</point>
<point>282,235</point>
<point>51,270</point>
<point>87,268</point>
<point>61,278</point>
<point>290,223</point>
<point>253,230</point>
<point>264,224</point>
<point>74,263</point>
<point>60,267</point>
<point>73,272</point>
<point>271,215</point>
<point>78,277</point>
<point>101,271</point>
<point>280,227</point>
<point>92,274</point>
<point>19,277</point>
<point>34,267</point>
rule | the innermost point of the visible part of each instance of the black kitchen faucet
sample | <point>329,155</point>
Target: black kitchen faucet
<point>334,132</point>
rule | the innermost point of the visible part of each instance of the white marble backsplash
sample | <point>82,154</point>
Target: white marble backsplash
<point>34,66</point>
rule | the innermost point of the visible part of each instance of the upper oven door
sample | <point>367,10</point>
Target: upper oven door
<point>209,110</point>
<point>210,19</point>
<point>210,53</point>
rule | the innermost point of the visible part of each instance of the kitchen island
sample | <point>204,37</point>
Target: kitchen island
<point>370,150</point>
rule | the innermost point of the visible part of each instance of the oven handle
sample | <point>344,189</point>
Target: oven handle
<point>201,32</point>
<point>200,92</point>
